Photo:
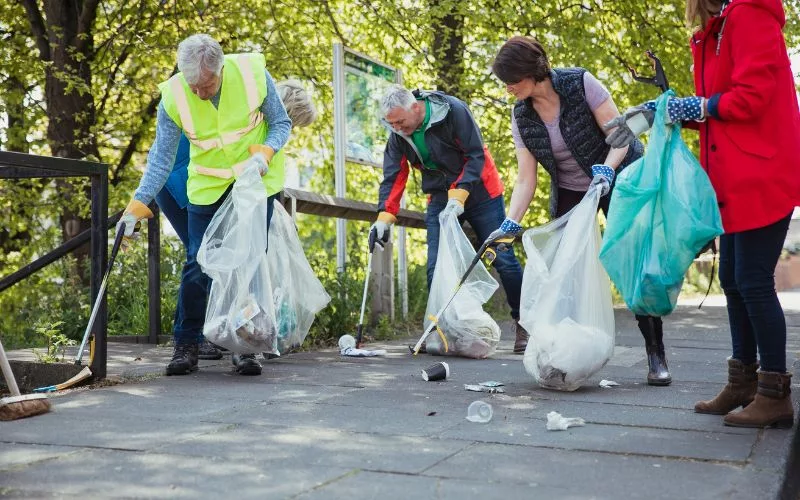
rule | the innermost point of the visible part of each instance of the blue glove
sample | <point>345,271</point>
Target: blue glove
<point>602,177</point>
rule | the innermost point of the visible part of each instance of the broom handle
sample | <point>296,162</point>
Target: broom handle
<point>7,373</point>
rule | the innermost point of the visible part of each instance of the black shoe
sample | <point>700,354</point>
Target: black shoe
<point>246,364</point>
<point>184,359</point>
<point>270,355</point>
<point>209,351</point>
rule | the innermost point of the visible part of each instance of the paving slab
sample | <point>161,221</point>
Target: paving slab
<point>318,425</point>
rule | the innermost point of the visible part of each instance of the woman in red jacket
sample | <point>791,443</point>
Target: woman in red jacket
<point>746,110</point>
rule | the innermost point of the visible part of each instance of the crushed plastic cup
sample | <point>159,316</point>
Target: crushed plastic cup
<point>479,412</point>
<point>346,341</point>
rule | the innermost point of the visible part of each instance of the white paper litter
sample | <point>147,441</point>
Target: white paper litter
<point>483,388</point>
<point>605,384</point>
<point>361,353</point>
<point>555,422</point>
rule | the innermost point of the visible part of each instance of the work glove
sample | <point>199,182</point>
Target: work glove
<point>638,119</point>
<point>602,177</point>
<point>455,202</point>
<point>380,230</point>
<point>134,212</point>
<point>262,155</point>
<point>501,239</point>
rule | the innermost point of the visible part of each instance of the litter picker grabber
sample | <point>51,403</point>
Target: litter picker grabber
<point>659,80</point>
<point>360,327</point>
<point>373,242</point>
<point>86,372</point>
<point>484,250</point>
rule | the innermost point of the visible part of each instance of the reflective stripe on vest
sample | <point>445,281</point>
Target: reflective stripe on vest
<point>251,90</point>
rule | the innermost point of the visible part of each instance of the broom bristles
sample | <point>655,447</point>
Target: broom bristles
<point>14,408</point>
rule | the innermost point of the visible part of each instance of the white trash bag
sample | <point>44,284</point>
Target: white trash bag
<point>297,293</point>
<point>240,314</point>
<point>566,299</point>
<point>469,331</point>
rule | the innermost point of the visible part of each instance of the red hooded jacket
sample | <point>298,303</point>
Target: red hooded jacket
<point>750,144</point>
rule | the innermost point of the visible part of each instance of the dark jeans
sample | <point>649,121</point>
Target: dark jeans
<point>567,199</point>
<point>747,263</point>
<point>178,217</point>
<point>484,218</point>
<point>195,285</point>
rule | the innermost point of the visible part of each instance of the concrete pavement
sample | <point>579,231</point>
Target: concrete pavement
<point>316,425</point>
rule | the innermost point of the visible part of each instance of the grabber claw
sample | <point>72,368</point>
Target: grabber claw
<point>660,78</point>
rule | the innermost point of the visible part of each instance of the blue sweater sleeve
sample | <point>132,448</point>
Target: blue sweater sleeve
<point>161,157</point>
<point>280,126</point>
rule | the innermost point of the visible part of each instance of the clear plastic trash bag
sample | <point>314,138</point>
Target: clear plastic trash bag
<point>467,329</point>
<point>240,314</point>
<point>663,211</point>
<point>566,299</point>
<point>297,293</point>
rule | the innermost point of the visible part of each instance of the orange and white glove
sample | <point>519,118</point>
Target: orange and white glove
<point>455,203</point>
<point>134,212</point>
<point>380,230</point>
<point>263,155</point>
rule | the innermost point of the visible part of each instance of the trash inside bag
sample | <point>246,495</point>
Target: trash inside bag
<point>297,293</point>
<point>566,299</point>
<point>663,212</point>
<point>464,329</point>
<point>240,314</point>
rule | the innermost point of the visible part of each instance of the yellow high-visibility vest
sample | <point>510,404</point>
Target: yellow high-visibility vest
<point>219,137</point>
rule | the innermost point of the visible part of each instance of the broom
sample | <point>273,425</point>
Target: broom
<point>19,406</point>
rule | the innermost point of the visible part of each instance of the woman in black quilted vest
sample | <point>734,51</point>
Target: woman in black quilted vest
<point>557,123</point>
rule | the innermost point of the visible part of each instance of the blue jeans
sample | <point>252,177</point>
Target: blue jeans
<point>747,263</point>
<point>484,218</point>
<point>193,292</point>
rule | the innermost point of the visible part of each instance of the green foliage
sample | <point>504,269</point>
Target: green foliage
<point>56,342</point>
<point>132,47</point>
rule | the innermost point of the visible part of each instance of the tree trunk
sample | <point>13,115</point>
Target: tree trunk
<point>70,110</point>
<point>448,47</point>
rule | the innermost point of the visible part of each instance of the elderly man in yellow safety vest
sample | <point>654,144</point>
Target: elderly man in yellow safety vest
<point>229,109</point>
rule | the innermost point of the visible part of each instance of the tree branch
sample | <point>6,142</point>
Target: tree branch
<point>88,15</point>
<point>148,113</point>
<point>37,29</point>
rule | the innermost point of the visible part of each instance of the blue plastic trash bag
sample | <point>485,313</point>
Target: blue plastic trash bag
<point>663,211</point>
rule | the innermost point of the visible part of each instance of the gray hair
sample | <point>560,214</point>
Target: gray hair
<point>297,102</point>
<point>198,54</point>
<point>396,96</point>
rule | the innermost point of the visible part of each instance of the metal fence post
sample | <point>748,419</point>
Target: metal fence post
<point>154,275</point>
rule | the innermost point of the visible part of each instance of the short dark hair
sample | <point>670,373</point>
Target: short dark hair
<point>519,58</point>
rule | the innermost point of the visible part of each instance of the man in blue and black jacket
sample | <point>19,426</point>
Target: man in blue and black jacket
<point>436,134</point>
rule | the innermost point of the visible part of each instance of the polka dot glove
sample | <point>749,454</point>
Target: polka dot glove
<point>510,226</point>
<point>681,109</point>
<point>603,176</point>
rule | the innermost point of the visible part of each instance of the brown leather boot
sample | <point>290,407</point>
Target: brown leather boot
<point>521,341</point>
<point>772,406</point>
<point>740,391</point>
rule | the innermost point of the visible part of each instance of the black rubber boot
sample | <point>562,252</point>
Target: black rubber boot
<point>246,364</point>
<point>653,333</point>
<point>184,359</point>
